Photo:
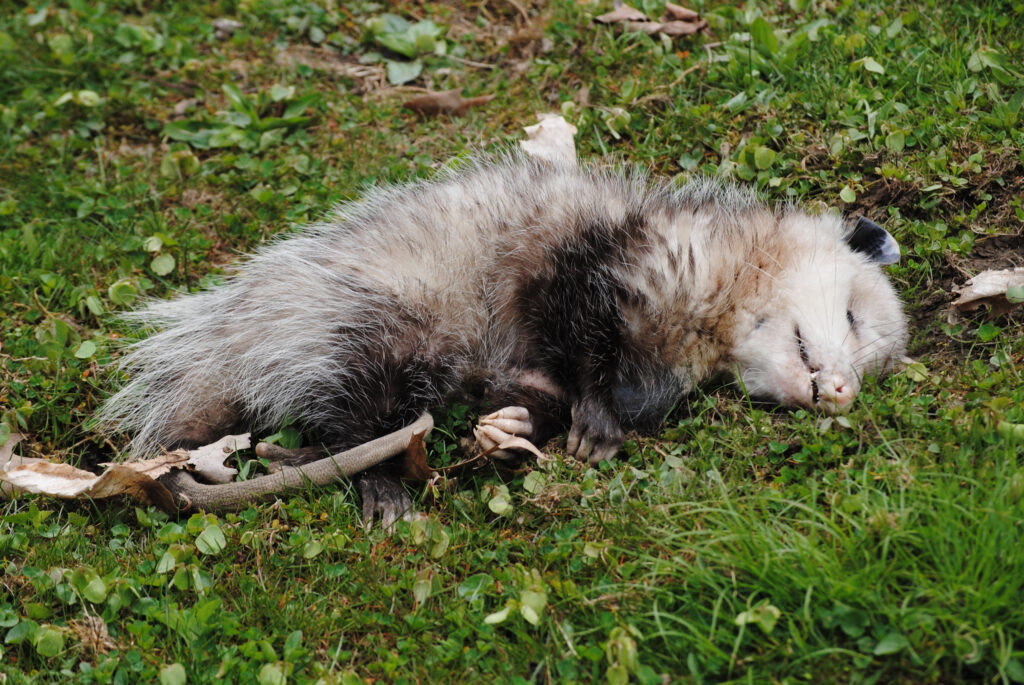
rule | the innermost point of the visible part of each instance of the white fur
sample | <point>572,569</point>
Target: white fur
<point>286,328</point>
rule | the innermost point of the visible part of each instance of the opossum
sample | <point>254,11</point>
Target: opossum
<point>591,299</point>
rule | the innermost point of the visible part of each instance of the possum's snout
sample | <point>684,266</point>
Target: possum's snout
<point>830,388</point>
<point>831,391</point>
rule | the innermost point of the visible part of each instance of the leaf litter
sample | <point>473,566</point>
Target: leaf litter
<point>677,21</point>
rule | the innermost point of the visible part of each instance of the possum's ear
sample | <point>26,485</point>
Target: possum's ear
<point>874,242</point>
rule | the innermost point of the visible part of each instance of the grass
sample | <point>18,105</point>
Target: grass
<point>140,152</point>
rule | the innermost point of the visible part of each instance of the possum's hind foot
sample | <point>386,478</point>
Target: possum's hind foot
<point>496,433</point>
<point>383,493</point>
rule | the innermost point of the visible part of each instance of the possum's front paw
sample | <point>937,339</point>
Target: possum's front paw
<point>383,493</point>
<point>595,434</point>
<point>496,433</point>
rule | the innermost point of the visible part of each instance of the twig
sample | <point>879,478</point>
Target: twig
<point>521,9</point>
<point>471,63</point>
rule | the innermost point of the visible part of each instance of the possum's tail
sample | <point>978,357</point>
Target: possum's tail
<point>269,344</point>
<point>182,390</point>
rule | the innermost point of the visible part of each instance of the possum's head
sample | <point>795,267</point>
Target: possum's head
<point>825,314</point>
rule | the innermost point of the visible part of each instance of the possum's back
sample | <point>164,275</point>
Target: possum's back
<point>419,265</point>
<point>445,247</point>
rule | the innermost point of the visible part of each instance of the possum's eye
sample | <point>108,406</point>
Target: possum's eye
<point>849,317</point>
<point>760,322</point>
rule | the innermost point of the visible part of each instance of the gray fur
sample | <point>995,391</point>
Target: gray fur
<point>418,289</point>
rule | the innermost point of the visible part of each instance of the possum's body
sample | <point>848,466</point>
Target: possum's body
<point>593,299</point>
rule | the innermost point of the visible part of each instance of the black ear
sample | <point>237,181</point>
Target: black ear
<point>873,241</point>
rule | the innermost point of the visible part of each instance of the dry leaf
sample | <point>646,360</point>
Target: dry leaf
<point>223,28</point>
<point>678,21</point>
<point>67,482</point>
<point>9,460</point>
<point>413,462</point>
<point>208,461</point>
<point>7,451</point>
<point>137,479</point>
<point>92,634</point>
<point>444,102</point>
<point>681,13</point>
<point>622,13</point>
<point>500,442</point>
<point>648,27</point>
<point>519,443</point>
<point>989,288</point>
<point>681,28</point>
<point>551,139</point>
<point>182,107</point>
<point>156,467</point>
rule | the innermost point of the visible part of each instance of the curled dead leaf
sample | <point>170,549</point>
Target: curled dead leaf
<point>519,443</point>
<point>67,482</point>
<point>208,460</point>
<point>678,21</point>
<point>156,467</point>
<point>993,289</point>
<point>444,102</point>
<point>182,107</point>
<point>223,28</point>
<point>681,13</point>
<point>9,460</point>
<point>621,13</point>
<point>648,27</point>
<point>551,139</point>
<point>682,28</point>
<point>413,462</point>
<point>7,451</point>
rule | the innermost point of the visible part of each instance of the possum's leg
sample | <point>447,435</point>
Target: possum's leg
<point>291,457</point>
<point>569,306</point>
<point>389,381</point>
<point>197,423</point>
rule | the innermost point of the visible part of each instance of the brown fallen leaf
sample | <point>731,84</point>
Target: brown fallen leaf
<point>413,462</point>
<point>988,289</point>
<point>67,482</point>
<point>681,13</point>
<point>223,28</point>
<point>516,443</point>
<point>183,106</point>
<point>156,467</point>
<point>681,28</point>
<point>444,102</point>
<point>678,21</point>
<point>621,13</point>
<point>92,634</point>
<point>7,450</point>
<point>648,27</point>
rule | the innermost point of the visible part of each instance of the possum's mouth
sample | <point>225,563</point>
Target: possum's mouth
<point>802,347</point>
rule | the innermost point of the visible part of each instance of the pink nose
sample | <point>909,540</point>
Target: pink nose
<point>834,390</point>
